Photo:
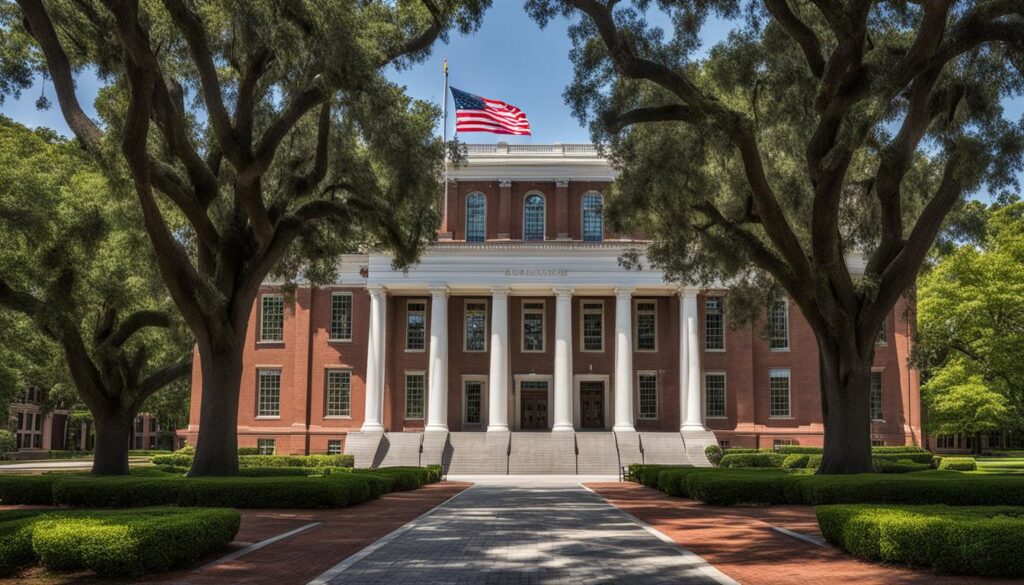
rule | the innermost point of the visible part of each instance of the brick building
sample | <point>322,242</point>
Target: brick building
<point>521,318</point>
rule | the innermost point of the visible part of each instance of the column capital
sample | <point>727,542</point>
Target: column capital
<point>438,290</point>
<point>500,291</point>
<point>561,183</point>
<point>376,290</point>
<point>563,291</point>
<point>504,183</point>
<point>624,291</point>
<point>689,292</point>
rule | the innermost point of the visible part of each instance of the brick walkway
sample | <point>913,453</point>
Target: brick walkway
<point>515,532</point>
<point>740,542</point>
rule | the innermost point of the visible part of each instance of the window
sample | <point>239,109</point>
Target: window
<point>414,386</point>
<point>782,442</point>
<point>474,401</point>
<point>878,442</point>
<point>876,396</point>
<point>29,430</point>
<point>714,324</point>
<point>339,393</point>
<point>533,326</point>
<point>592,323</point>
<point>476,326</point>
<point>778,393</point>
<point>647,392</point>
<point>945,442</point>
<point>724,443</point>
<point>593,224</point>
<point>714,395</point>
<point>266,446</point>
<point>415,325</point>
<point>476,217</point>
<point>334,446</point>
<point>778,326</point>
<point>646,325</point>
<point>881,339</point>
<point>533,217</point>
<point>341,316</point>
<point>268,393</point>
<point>271,318</point>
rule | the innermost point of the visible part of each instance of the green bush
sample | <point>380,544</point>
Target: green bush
<point>15,543</point>
<point>965,541</point>
<point>798,450</point>
<point>296,460</point>
<point>741,450</point>
<point>752,460</point>
<point>248,450</point>
<point>813,461</point>
<point>914,456</point>
<point>8,444</point>
<point>897,449</point>
<point>276,471</point>
<point>795,461</point>
<point>116,492</point>
<point>900,466</point>
<point>647,475</point>
<point>714,454</point>
<point>30,490</point>
<point>958,464</point>
<point>173,459</point>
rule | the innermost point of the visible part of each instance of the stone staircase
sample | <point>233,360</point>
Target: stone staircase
<point>401,449</point>
<point>365,448</point>
<point>542,453</point>
<point>628,444</point>
<point>596,454</point>
<point>434,445</point>
<point>696,442</point>
<point>663,449</point>
<point>480,453</point>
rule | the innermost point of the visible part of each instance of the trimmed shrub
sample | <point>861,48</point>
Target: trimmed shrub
<point>276,471</point>
<point>647,475</point>
<point>752,460</point>
<point>248,450</point>
<point>180,459</point>
<point>897,449</point>
<point>900,466</point>
<point>173,459</point>
<point>740,450</point>
<point>964,541</point>
<point>958,464</point>
<point>714,454</point>
<point>798,450</point>
<point>15,543</point>
<point>813,461</point>
<point>8,443</point>
<point>31,490</point>
<point>914,456</point>
<point>795,461</point>
<point>117,492</point>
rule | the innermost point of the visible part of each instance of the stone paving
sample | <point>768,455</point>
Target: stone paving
<point>525,531</point>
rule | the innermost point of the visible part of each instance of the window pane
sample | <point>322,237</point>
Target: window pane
<point>416,325</point>
<point>341,316</point>
<point>272,318</point>
<point>476,326</point>
<point>778,323</point>
<point>881,334</point>
<point>339,393</point>
<point>646,326</point>
<point>474,396</point>
<point>269,393</point>
<point>414,395</point>
<point>533,217</point>
<point>334,447</point>
<point>876,396</point>
<point>593,325</point>
<point>476,213</point>
<point>266,446</point>
<point>647,390</point>
<point>778,386</point>
<point>593,224</point>
<point>714,395</point>
<point>714,324</point>
<point>533,326</point>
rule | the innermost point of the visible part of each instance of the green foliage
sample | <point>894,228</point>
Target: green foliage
<point>958,464</point>
<point>962,541</point>
<point>8,443</point>
<point>714,454</point>
<point>882,465</point>
<point>31,490</point>
<point>183,458</point>
<point>15,543</point>
<point>752,460</point>
<point>795,461</point>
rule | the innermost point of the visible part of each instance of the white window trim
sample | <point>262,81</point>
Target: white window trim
<point>584,301</point>
<point>789,390</point>
<point>262,341</point>
<point>544,231</point>
<point>543,312</point>
<point>341,446</point>
<point>487,325</point>
<point>405,394</point>
<point>280,384</point>
<point>426,325</point>
<point>704,326</point>
<point>789,340</point>
<point>327,373</point>
<point>636,325</point>
<point>273,445</point>
<point>351,318</point>
<point>881,371</point>
<point>482,380</point>
<point>725,394</point>
<point>466,210</point>
<point>583,199</point>
<point>657,391</point>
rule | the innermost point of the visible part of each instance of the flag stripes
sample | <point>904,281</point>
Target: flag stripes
<point>477,114</point>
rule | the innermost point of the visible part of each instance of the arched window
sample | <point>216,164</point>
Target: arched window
<point>476,217</point>
<point>533,217</point>
<point>593,222</point>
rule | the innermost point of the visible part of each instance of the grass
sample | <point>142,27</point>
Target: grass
<point>1000,465</point>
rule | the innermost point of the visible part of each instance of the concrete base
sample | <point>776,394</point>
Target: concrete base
<point>364,446</point>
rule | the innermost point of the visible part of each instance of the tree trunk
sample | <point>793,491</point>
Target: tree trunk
<point>846,410</point>
<point>217,444</point>
<point>113,438</point>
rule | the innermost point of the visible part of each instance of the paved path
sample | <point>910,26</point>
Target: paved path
<point>524,530</point>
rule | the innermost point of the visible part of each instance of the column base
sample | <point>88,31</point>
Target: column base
<point>372,428</point>
<point>692,427</point>
<point>436,427</point>
<point>497,428</point>
<point>562,428</point>
<point>624,429</point>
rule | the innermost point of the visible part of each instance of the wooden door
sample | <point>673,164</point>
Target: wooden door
<point>533,410</point>
<point>592,405</point>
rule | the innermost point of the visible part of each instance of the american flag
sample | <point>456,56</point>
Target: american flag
<point>477,114</point>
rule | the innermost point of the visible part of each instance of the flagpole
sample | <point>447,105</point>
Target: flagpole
<point>444,134</point>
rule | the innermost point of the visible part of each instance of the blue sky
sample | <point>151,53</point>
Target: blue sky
<point>509,59</point>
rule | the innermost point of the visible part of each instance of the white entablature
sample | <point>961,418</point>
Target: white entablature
<point>532,162</point>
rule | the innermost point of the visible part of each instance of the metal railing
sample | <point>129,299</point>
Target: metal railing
<point>556,149</point>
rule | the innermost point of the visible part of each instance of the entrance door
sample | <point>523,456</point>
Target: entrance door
<point>533,406</point>
<point>591,404</point>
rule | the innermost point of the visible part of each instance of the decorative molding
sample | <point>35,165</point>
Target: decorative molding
<point>561,183</point>
<point>625,291</point>
<point>505,183</point>
<point>563,291</point>
<point>438,290</point>
<point>501,291</point>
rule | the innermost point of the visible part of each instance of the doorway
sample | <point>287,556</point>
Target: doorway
<point>591,404</point>
<point>533,407</point>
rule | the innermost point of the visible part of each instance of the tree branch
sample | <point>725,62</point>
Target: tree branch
<point>667,113</point>
<point>799,32</point>
<point>136,321</point>
<point>422,40</point>
<point>162,377</point>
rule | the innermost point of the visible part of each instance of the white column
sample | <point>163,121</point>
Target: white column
<point>623,360</point>
<point>689,363</point>
<point>437,391</point>
<point>563,360</point>
<point>373,419</point>
<point>497,381</point>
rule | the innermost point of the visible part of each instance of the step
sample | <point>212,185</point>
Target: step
<point>663,449</point>
<point>365,448</point>
<point>401,449</point>
<point>479,453</point>
<point>550,453</point>
<point>596,454</point>
<point>628,443</point>
<point>434,445</point>
<point>696,442</point>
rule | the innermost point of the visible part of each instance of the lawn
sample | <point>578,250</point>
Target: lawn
<point>1000,465</point>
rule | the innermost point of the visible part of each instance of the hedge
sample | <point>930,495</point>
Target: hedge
<point>958,464</point>
<point>899,466</point>
<point>752,460</point>
<point>714,454</point>
<point>965,541</point>
<point>795,461</point>
<point>177,459</point>
<point>30,490</point>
